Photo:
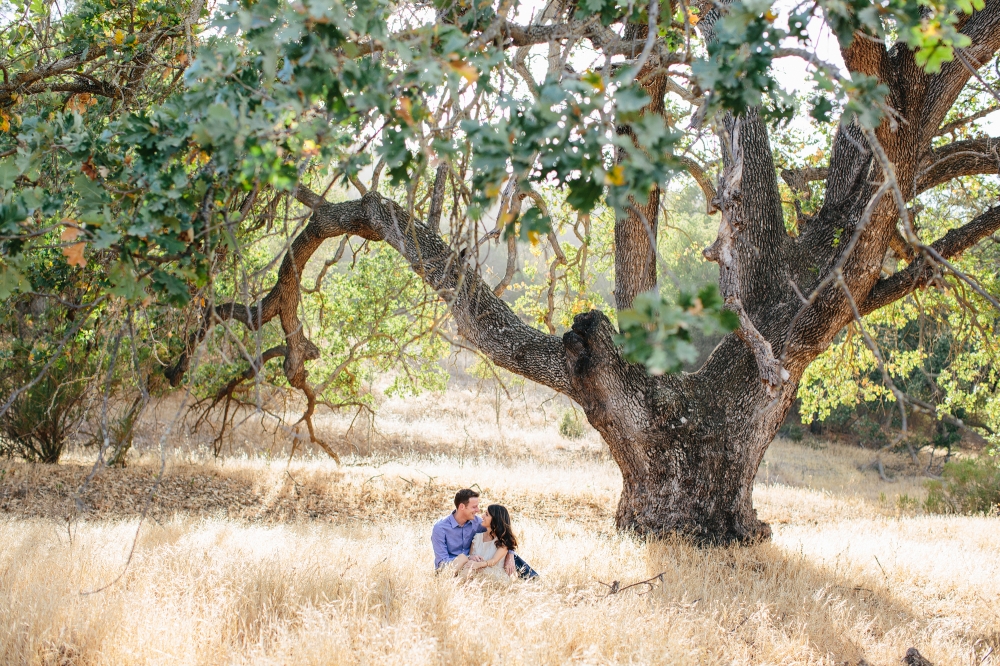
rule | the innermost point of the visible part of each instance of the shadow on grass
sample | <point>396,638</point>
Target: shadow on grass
<point>756,592</point>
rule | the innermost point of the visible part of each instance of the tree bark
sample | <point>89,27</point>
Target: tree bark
<point>688,445</point>
<point>635,228</point>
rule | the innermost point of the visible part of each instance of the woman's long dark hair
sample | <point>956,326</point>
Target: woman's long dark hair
<point>500,526</point>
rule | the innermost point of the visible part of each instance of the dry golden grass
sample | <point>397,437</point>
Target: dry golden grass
<point>270,562</point>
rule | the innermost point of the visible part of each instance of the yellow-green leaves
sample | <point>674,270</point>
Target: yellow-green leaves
<point>969,6</point>
<point>12,280</point>
<point>593,79</point>
<point>935,43</point>
<point>464,69</point>
<point>615,176</point>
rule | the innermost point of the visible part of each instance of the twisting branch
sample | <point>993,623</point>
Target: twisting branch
<point>559,259</point>
<point>377,173</point>
<point>920,272</point>
<point>515,35</point>
<point>510,210</point>
<point>23,83</point>
<point>228,391</point>
<point>697,172</point>
<point>511,267</point>
<point>326,266</point>
<point>358,185</point>
<point>959,158</point>
<point>962,122</point>
<point>482,318</point>
<point>92,88</point>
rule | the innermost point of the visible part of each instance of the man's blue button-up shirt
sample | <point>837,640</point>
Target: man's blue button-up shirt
<point>451,539</point>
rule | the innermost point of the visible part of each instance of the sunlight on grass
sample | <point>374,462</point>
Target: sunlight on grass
<point>841,581</point>
<point>268,561</point>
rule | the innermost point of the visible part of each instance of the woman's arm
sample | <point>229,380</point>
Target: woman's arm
<point>501,553</point>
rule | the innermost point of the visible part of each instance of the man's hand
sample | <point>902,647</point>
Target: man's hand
<point>476,558</point>
<point>508,563</point>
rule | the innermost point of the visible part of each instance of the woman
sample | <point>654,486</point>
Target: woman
<point>492,546</point>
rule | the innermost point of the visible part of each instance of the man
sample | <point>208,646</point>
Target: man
<point>452,536</point>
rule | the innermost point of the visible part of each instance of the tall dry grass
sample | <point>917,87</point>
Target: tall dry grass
<point>210,591</point>
<point>853,572</point>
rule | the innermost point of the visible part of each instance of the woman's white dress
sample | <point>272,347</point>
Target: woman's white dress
<point>487,550</point>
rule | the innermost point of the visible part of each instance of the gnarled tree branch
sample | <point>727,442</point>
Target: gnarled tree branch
<point>959,158</point>
<point>29,82</point>
<point>482,318</point>
<point>704,182</point>
<point>968,157</point>
<point>919,272</point>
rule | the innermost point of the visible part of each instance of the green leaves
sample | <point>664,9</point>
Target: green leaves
<point>865,100</point>
<point>125,284</point>
<point>12,280</point>
<point>562,131</point>
<point>935,42</point>
<point>737,71</point>
<point>277,88</point>
<point>8,173</point>
<point>562,138</point>
<point>533,224</point>
<point>657,333</point>
<point>821,109</point>
<point>375,318</point>
<point>929,27</point>
<point>630,99</point>
<point>608,10</point>
<point>937,346</point>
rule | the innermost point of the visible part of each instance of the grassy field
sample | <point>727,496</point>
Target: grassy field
<point>266,561</point>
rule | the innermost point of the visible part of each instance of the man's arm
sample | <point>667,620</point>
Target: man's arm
<point>440,546</point>
<point>508,563</point>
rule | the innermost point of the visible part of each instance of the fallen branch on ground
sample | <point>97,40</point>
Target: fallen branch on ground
<point>615,587</point>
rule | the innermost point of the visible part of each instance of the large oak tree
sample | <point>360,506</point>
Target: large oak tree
<point>472,108</point>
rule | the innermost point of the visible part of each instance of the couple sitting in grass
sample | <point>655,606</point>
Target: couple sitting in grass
<point>477,546</point>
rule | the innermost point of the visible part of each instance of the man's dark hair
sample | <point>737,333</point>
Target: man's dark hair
<point>463,496</point>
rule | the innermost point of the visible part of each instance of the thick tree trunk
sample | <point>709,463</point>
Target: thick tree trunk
<point>688,445</point>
